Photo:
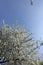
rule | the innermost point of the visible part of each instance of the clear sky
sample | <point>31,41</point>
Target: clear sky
<point>25,14</point>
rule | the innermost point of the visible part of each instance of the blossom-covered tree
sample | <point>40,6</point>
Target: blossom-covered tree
<point>17,46</point>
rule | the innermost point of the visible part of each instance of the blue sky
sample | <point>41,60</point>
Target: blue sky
<point>25,14</point>
<point>22,13</point>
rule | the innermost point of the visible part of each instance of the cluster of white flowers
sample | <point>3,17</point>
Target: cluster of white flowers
<point>17,45</point>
